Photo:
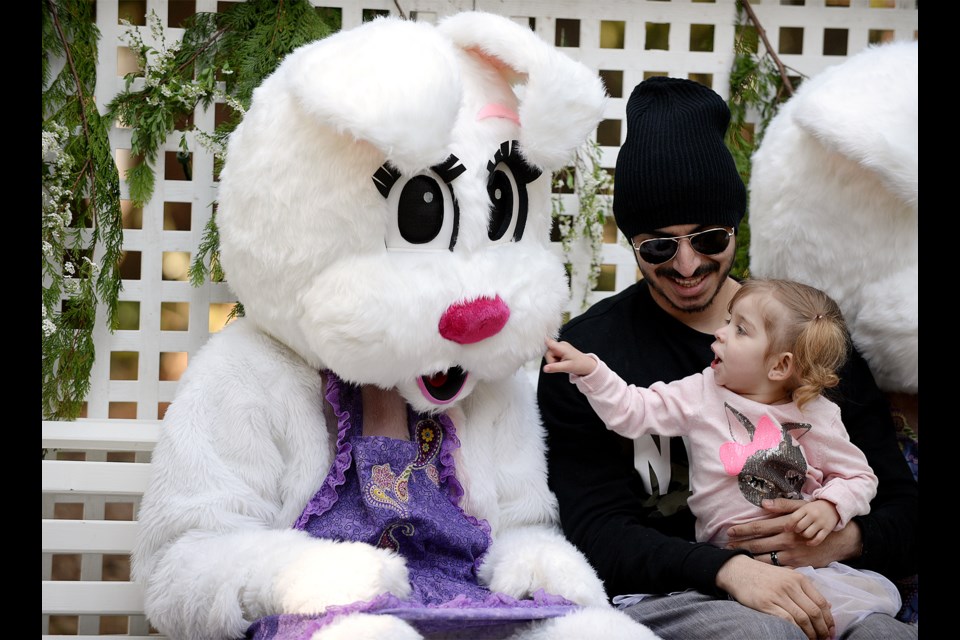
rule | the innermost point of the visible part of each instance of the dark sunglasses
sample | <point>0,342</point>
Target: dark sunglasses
<point>708,243</point>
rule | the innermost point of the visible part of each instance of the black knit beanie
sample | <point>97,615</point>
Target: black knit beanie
<point>673,167</point>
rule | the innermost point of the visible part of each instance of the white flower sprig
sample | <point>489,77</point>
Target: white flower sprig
<point>581,232</point>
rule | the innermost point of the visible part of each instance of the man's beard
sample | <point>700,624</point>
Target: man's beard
<point>702,270</point>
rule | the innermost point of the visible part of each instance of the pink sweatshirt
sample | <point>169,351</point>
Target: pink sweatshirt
<point>740,451</point>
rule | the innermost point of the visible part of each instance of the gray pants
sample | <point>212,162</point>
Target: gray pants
<point>692,615</point>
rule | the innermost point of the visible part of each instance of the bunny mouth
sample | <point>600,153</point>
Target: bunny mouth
<point>443,387</point>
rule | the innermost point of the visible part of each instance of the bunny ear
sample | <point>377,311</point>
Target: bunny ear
<point>392,83</point>
<point>562,101</point>
<point>742,419</point>
<point>790,426</point>
<point>868,110</point>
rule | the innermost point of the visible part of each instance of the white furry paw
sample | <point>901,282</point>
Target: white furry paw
<point>339,573</point>
<point>366,626</point>
<point>606,623</point>
<point>524,563</point>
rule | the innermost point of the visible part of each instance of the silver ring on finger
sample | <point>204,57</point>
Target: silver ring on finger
<point>774,560</point>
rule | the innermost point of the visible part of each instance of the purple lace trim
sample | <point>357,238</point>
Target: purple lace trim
<point>548,605</point>
<point>383,601</point>
<point>448,467</point>
<point>327,495</point>
<point>448,470</point>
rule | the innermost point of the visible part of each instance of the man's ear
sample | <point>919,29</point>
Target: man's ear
<point>781,367</point>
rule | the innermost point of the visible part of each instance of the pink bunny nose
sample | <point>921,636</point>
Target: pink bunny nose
<point>475,320</point>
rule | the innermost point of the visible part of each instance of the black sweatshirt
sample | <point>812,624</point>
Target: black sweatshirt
<point>644,544</point>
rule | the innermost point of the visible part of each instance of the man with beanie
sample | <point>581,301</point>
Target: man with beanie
<point>679,199</point>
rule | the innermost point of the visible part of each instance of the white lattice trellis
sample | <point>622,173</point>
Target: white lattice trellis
<point>167,320</point>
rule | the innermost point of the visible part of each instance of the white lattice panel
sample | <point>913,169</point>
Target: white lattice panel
<point>168,320</point>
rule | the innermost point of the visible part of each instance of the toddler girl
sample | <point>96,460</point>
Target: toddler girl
<point>758,428</point>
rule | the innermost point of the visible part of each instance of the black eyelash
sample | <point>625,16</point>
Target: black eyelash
<point>385,177</point>
<point>449,169</point>
<point>509,154</point>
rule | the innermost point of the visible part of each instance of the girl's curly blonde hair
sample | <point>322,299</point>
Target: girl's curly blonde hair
<point>813,330</point>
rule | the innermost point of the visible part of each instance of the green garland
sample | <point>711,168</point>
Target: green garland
<point>81,234</point>
<point>222,56</point>
<point>757,86</point>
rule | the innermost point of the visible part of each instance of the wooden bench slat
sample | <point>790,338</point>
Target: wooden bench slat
<point>100,435</point>
<point>76,597</point>
<point>94,479</point>
<point>88,536</point>
<point>111,478</point>
<point>101,637</point>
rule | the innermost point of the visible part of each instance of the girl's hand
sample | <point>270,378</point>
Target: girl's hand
<point>763,536</point>
<point>814,521</point>
<point>563,357</point>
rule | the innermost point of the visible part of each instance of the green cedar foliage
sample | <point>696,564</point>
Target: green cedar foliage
<point>221,57</point>
<point>81,233</point>
<point>756,88</point>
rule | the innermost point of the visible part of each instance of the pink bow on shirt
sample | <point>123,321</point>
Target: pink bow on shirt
<point>734,455</point>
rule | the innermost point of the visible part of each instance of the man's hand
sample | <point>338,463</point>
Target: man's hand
<point>814,521</point>
<point>761,537</point>
<point>780,592</point>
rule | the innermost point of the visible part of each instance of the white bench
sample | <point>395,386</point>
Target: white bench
<point>93,474</point>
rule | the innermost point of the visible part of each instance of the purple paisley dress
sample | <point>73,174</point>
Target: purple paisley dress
<point>404,495</point>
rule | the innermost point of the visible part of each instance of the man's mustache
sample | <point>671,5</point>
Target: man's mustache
<point>702,270</point>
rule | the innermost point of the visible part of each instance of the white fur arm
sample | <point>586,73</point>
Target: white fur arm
<point>887,331</point>
<point>528,551</point>
<point>244,447</point>
<point>210,585</point>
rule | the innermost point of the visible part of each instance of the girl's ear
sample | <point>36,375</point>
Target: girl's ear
<point>781,367</point>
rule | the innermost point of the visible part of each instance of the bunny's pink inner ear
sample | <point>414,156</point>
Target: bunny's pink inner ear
<point>508,109</point>
<point>508,73</point>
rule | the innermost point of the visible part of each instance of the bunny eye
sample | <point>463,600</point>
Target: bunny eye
<point>507,191</point>
<point>420,210</point>
<point>423,213</point>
